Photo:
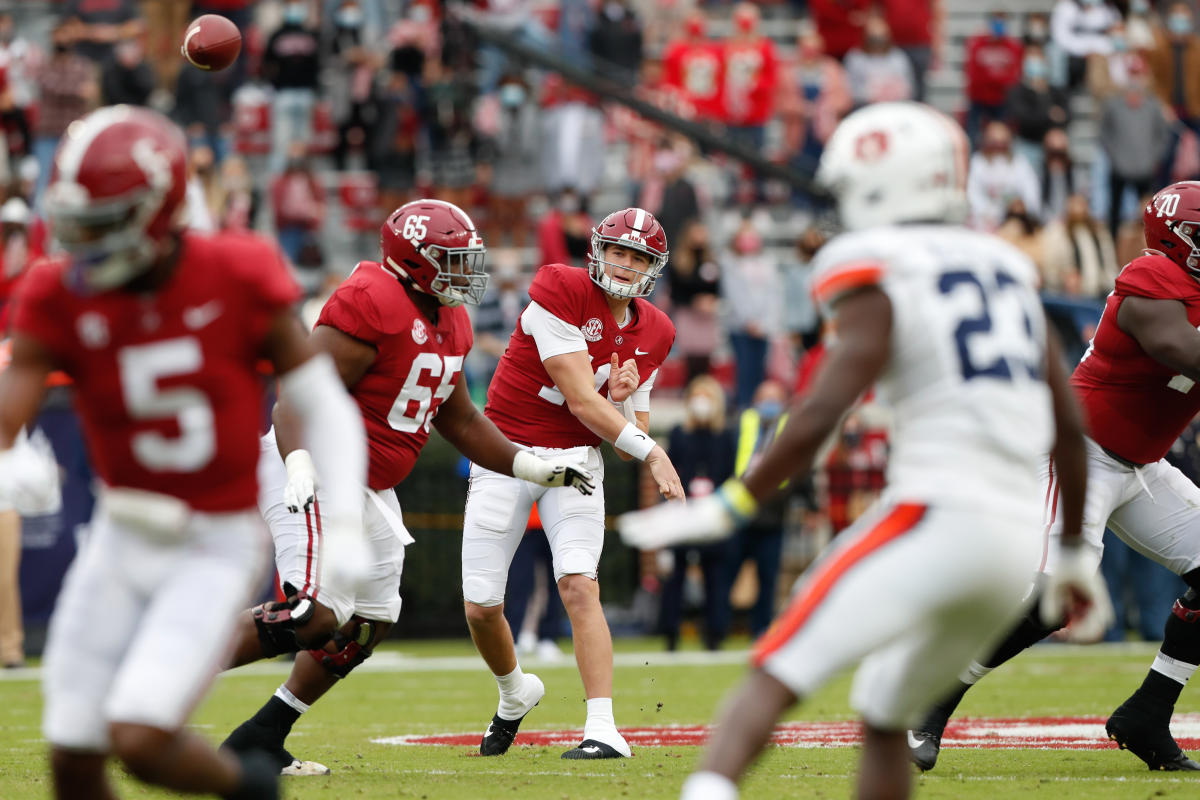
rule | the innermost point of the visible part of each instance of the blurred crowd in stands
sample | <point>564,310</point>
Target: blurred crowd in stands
<point>337,111</point>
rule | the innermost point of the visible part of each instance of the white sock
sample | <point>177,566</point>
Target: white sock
<point>599,710</point>
<point>1176,670</point>
<point>511,683</point>
<point>286,696</point>
<point>708,786</point>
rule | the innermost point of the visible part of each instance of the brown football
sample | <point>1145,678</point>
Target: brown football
<point>211,42</point>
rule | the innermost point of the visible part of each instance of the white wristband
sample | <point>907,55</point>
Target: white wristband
<point>633,441</point>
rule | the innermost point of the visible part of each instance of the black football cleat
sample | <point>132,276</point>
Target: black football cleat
<point>923,749</point>
<point>592,748</point>
<point>499,736</point>
<point>1148,736</point>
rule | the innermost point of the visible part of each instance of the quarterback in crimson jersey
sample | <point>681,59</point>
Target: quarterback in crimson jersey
<point>586,344</point>
<point>1136,384</point>
<point>161,332</point>
<point>398,334</point>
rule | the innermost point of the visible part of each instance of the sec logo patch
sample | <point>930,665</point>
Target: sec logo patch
<point>419,334</point>
<point>593,329</point>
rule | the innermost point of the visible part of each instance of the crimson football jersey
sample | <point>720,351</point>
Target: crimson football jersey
<point>167,383</point>
<point>522,399</point>
<point>1135,406</point>
<point>416,367</point>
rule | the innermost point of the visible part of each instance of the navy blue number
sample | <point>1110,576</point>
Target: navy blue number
<point>982,324</point>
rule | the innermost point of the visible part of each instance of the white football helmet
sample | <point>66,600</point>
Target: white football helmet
<point>896,162</point>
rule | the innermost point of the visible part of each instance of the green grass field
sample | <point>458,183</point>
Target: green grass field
<point>434,688</point>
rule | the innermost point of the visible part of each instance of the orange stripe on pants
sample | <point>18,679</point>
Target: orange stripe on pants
<point>902,519</point>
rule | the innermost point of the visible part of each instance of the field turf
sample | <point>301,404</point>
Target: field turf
<point>431,688</point>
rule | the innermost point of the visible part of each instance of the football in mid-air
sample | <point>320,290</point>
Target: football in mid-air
<point>211,42</point>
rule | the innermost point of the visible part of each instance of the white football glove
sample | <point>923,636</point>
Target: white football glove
<point>301,487</point>
<point>553,472</point>
<point>708,519</point>
<point>1075,592</point>
<point>345,554</point>
<point>29,476</point>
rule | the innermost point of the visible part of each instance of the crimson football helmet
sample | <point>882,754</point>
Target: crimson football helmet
<point>120,175</point>
<point>1172,224</point>
<point>434,246</point>
<point>636,229</point>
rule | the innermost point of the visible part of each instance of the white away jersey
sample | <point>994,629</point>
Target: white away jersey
<point>972,413</point>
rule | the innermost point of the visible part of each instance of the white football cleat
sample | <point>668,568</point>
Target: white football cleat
<point>304,768</point>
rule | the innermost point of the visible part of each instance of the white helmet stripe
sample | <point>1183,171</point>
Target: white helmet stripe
<point>79,137</point>
<point>639,219</point>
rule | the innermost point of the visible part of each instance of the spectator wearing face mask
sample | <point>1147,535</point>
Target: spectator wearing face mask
<point>1135,137</point>
<point>1080,257</point>
<point>996,175</point>
<point>1108,74</point>
<point>695,65</point>
<point>68,85</point>
<point>669,194</point>
<point>1058,174</point>
<point>751,290</point>
<point>1140,25</point>
<point>801,319</point>
<point>1175,64</point>
<point>127,76</point>
<point>694,277</point>
<point>1080,28</point>
<point>751,78</point>
<point>616,39</point>
<point>298,205</point>
<point>993,66</point>
<point>349,65</point>
<point>878,71</point>
<point>1023,231</point>
<point>291,63</point>
<point>513,142</point>
<point>1034,106</point>
<point>703,446</point>
<point>814,99</point>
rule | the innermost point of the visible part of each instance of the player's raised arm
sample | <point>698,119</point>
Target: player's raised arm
<point>1162,329</point>
<point>478,438</point>
<point>572,375</point>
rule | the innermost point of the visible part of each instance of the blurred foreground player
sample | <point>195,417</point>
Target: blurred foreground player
<point>161,331</point>
<point>398,333</point>
<point>586,341</point>
<point>946,324</point>
<point>1136,383</point>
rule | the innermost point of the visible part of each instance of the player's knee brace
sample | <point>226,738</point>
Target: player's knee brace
<point>349,649</point>
<point>276,623</point>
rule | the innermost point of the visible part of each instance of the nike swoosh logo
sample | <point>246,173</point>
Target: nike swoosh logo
<point>639,352</point>
<point>197,317</point>
<point>590,749</point>
<point>913,741</point>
